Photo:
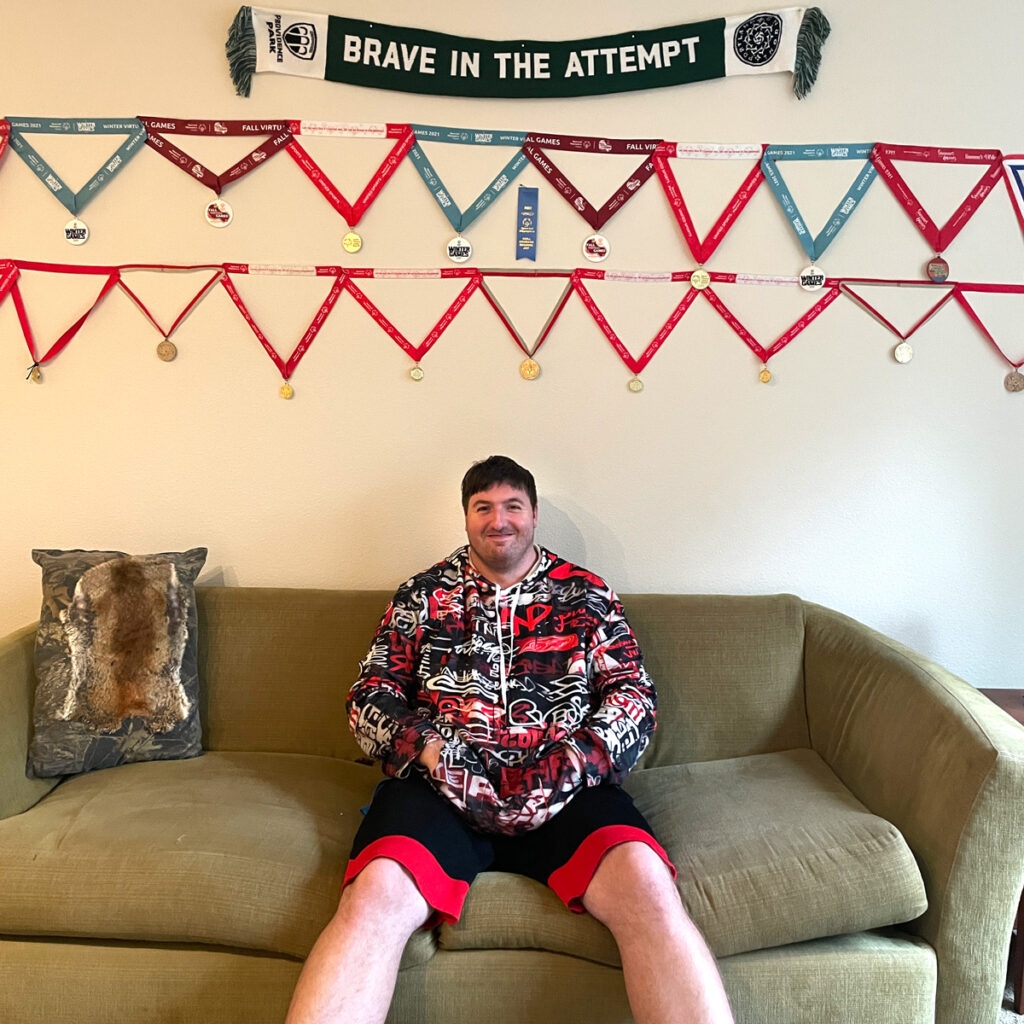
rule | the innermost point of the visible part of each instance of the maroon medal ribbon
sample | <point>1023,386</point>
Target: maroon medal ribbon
<point>635,363</point>
<point>535,147</point>
<point>352,212</point>
<point>285,366</point>
<point>703,250</point>
<point>278,132</point>
<point>9,283</point>
<point>882,157</point>
<point>764,354</point>
<point>415,352</point>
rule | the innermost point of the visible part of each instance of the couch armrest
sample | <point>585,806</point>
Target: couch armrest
<point>17,689</point>
<point>926,751</point>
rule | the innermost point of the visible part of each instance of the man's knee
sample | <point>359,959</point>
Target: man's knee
<point>632,884</point>
<point>384,891</point>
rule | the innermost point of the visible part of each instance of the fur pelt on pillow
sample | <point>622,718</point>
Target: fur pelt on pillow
<point>115,660</point>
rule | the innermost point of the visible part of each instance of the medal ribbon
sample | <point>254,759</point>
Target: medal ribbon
<point>196,299</point>
<point>846,289</point>
<point>73,201</point>
<point>764,354</point>
<point>702,250</point>
<point>1013,176</point>
<point>9,282</point>
<point>635,364</point>
<point>442,196</point>
<point>959,292</point>
<point>279,134</point>
<point>534,149</point>
<point>352,212</point>
<point>815,247</point>
<point>285,366</point>
<point>556,311</point>
<point>882,157</point>
<point>5,134</point>
<point>415,352</point>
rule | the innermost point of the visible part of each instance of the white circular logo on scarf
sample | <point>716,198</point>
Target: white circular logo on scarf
<point>756,40</point>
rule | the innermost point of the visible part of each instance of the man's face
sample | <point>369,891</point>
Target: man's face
<point>500,524</point>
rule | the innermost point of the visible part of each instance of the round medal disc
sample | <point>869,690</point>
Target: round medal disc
<point>76,232</point>
<point>459,250</point>
<point>765,376</point>
<point>812,278</point>
<point>595,248</point>
<point>529,369</point>
<point>36,375</point>
<point>636,385</point>
<point>903,352</point>
<point>351,242</point>
<point>287,391</point>
<point>1014,381</point>
<point>700,279</point>
<point>167,350</point>
<point>937,269</point>
<point>416,373</point>
<point>218,214</point>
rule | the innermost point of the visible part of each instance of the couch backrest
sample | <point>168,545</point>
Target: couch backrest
<point>275,666</point>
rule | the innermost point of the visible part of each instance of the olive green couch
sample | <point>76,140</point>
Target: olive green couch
<point>845,817</point>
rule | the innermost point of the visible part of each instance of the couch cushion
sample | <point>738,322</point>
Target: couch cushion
<point>230,849</point>
<point>770,850</point>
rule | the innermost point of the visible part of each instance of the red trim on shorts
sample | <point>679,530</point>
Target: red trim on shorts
<point>570,881</point>
<point>444,894</point>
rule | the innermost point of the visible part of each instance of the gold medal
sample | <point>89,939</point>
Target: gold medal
<point>416,372</point>
<point>287,391</point>
<point>35,375</point>
<point>351,242</point>
<point>636,385</point>
<point>529,369</point>
<point>903,352</point>
<point>167,350</point>
<point>1014,381</point>
<point>700,279</point>
<point>765,375</point>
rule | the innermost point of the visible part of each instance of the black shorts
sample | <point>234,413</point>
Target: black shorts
<point>410,823</point>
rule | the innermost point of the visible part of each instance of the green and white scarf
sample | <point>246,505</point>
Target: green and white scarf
<point>416,60</point>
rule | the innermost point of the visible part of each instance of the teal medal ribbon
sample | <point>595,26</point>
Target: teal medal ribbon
<point>815,246</point>
<point>71,200</point>
<point>458,219</point>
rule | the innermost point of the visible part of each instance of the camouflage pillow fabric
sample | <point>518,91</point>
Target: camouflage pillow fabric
<point>115,659</point>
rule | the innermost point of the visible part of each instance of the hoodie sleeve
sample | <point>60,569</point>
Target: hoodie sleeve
<point>379,703</point>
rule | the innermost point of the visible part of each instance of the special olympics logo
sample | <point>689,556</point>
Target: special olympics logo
<point>300,38</point>
<point>756,40</point>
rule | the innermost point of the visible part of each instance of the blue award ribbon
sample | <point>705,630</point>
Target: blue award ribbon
<point>73,201</point>
<point>526,223</point>
<point>814,247</point>
<point>442,196</point>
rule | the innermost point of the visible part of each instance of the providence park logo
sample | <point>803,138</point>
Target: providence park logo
<point>300,38</point>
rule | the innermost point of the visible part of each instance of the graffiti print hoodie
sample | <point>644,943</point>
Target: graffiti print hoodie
<point>538,690</point>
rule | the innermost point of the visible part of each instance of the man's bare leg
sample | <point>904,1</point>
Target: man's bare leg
<point>670,974</point>
<point>349,976</point>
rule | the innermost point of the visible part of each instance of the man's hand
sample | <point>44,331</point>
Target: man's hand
<point>431,753</point>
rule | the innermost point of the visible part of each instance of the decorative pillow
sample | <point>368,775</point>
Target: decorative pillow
<point>115,658</point>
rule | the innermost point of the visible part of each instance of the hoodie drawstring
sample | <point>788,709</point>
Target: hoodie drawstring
<point>506,672</point>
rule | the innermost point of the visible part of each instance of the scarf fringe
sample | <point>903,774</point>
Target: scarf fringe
<point>241,51</point>
<point>814,30</point>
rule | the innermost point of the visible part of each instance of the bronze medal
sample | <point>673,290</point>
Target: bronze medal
<point>36,375</point>
<point>1014,381</point>
<point>529,369</point>
<point>167,350</point>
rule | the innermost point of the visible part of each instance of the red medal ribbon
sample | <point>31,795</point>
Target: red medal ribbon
<point>635,364</point>
<point>352,212</point>
<point>846,289</point>
<point>504,317</point>
<point>702,250</point>
<point>415,352</point>
<point>882,157</point>
<point>286,367</point>
<point>9,283</point>
<point>279,132</point>
<point>764,354</point>
<point>5,134</point>
<point>196,299</point>
<point>1010,289</point>
<point>534,149</point>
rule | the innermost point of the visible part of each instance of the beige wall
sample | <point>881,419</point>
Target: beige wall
<point>890,492</point>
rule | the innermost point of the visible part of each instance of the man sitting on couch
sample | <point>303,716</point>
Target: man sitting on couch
<point>505,695</point>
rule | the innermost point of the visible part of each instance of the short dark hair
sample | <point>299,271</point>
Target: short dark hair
<point>498,469</point>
